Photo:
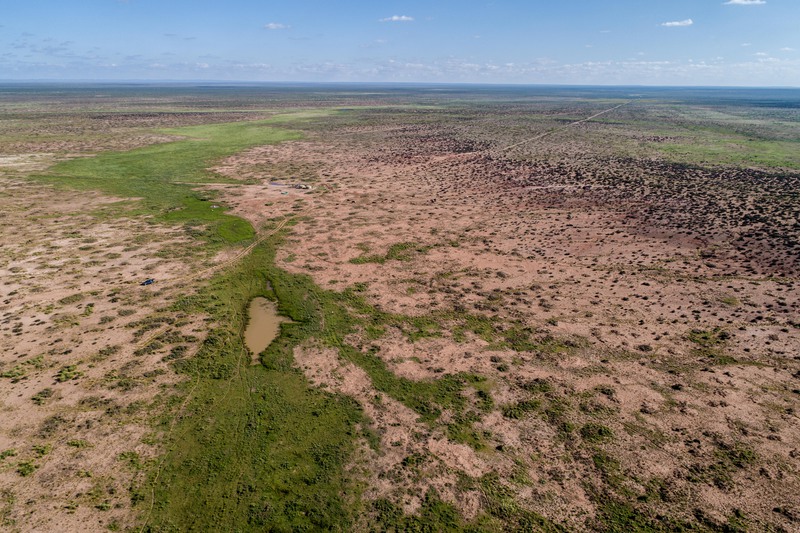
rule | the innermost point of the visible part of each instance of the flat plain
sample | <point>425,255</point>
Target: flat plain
<point>511,308</point>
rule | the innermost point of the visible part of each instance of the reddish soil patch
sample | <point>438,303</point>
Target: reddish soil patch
<point>83,355</point>
<point>671,315</point>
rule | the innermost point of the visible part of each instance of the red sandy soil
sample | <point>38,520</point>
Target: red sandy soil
<point>70,295</point>
<point>620,275</point>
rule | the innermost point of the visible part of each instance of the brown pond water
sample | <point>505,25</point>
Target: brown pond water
<point>263,325</point>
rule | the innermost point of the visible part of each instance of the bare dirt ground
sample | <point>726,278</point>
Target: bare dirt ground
<point>647,318</point>
<point>79,360</point>
<point>674,377</point>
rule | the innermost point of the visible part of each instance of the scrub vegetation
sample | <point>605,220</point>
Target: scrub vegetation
<point>503,316</point>
<point>164,177</point>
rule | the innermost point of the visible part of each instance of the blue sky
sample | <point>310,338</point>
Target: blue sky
<point>648,42</point>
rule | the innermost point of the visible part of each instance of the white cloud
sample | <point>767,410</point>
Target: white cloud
<point>761,54</point>
<point>397,18</point>
<point>744,2</point>
<point>787,49</point>
<point>678,23</point>
<point>756,71</point>
<point>275,26</point>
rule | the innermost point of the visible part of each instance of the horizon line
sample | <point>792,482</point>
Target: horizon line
<point>148,81</point>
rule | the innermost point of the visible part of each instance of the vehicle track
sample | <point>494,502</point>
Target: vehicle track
<point>559,128</point>
<point>238,376</point>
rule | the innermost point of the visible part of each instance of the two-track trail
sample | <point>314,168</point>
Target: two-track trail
<point>210,270</point>
<point>239,376</point>
<point>239,255</point>
<point>559,128</point>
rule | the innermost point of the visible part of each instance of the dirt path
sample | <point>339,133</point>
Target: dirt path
<point>621,303</point>
<point>239,376</point>
<point>553,130</point>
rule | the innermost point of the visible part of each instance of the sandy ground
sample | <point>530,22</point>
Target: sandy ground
<point>618,265</point>
<point>80,371</point>
<point>622,291</point>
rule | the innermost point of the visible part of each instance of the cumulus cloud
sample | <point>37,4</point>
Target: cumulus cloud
<point>397,18</point>
<point>744,2</point>
<point>275,26</point>
<point>678,23</point>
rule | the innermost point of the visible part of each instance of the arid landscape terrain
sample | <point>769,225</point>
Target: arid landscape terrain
<point>504,308</point>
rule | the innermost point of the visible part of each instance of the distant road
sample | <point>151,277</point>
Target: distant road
<point>559,128</point>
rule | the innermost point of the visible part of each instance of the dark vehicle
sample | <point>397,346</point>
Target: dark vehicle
<point>148,281</point>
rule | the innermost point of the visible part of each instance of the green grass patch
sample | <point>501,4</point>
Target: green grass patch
<point>40,450</point>
<point>708,338</point>
<point>434,515</point>
<point>73,298</point>
<point>595,433</point>
<point>460,429</point>
<point>609,469</point>
<point>68,373</point>
<point>261,449</point>
<point>402,251</point>
<point>163,176</point>
<point>427,398</point>
<point>11,452</point>
<point>26,468</point>
<point>710,344</point>
<point>502,504</point>
<point>15,373</point>
<point>617,516</point>
<point>730,150</point>
<point>519,410</point>
<point>728,458</point>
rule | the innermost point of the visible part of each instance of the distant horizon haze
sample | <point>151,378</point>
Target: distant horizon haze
<point>728,43</point>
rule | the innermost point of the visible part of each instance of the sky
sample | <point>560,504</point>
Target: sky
<point>580,42</point>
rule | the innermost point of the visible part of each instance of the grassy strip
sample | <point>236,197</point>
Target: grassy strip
<point>403,251</point>
<point>162,176</point>
<point>344,313</point>
<point>723,148</point>
<point>258,447</point>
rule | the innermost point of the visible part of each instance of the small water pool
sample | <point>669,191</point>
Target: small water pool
<point>263,325</point>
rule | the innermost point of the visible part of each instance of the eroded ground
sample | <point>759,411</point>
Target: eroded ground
<point>80,374</point>
<point>85,348</point>
<point>645,318</point>
<point>557,322</point>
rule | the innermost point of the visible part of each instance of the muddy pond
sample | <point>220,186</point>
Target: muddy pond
<point>263,325</point>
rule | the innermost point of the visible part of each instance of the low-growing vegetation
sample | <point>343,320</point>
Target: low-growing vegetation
<point>503,316</point>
